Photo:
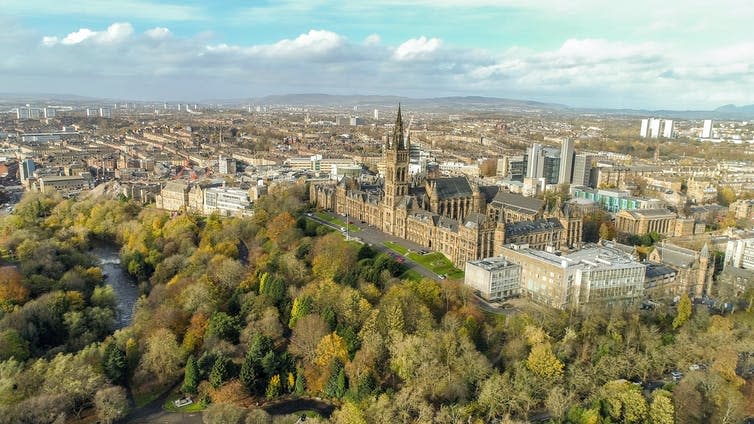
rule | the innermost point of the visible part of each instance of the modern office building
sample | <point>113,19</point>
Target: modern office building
<point>494,278</point>
<point>594,275</point>
<point>654,127</point>
<point>532,160</point>
<point>227,201</point>
<point>226,165</point>
<point>26,170</point>
<point>740,253</point>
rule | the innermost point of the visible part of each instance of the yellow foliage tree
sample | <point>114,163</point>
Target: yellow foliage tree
<point>330,347</point>
<point>543,362</point>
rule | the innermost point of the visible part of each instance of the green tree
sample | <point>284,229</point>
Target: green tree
<point>336,383</point>
<point>221,371</point>
<point>190,376</point>
<point>12,345</point>
<point>683,311</point>
<point>115,365</point>
<point>222,413</point>
<point>162,359</point>
<point>224,326</point>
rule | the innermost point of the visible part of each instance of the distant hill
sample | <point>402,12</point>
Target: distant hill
<point>472,102</point>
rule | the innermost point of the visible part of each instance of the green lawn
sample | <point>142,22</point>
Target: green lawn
<point>336,221</point>
<point>170,406</point>
<point>435,261</point>
<point>411,275</point>
<point>395,247</point>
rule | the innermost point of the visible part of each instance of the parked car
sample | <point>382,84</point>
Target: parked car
<point>677,375</point>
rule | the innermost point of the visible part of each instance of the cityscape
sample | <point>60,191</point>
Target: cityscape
<point>305,236</point>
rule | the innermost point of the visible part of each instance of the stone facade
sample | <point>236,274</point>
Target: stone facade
<point>645,221</point>
<point>452,215</point>
<point>693,269</point>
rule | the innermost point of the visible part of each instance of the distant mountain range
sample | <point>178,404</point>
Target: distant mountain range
<point>444,104</point>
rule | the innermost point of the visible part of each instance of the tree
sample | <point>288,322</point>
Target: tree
<point>557,401</point>
<point>190,376</point>
<point>221,371</point>
<point>543,362</point>
<point>307,333</point>
<point>302,305</point>
<point>661,411</point>
<point>224,326</point>
<point>683,311</point>
<point>162,359</point>
<point>606,232</point>
<point>222,413</point>
<point>12,292</point>
<point>725,195</point>
<point>273,387</point>
<point>12,345</point>
<point>258,416</point>
<point>331,346</point>
<point>115,365</point>
<point>111,404</point>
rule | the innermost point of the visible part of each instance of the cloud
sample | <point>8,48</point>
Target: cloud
<point>577,71</point>
<point>157,33</point>
<point>417,49</point>
<point>115,33</point>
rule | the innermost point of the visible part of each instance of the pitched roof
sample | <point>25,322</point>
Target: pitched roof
<point>518,202</point>
<point>527,227</point>
<point>452,187</point>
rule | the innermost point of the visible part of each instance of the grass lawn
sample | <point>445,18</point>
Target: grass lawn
<point>395,247</point>
<point>437,263</point>
<point>411,275</point>
<point>336,221</point>
<point>170,406</point>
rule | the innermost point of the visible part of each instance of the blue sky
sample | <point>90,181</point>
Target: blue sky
<point>639,54</point>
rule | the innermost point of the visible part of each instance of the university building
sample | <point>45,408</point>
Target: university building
<point>453,215</point>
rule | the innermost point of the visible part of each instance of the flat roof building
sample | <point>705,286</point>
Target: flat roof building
<point>495,278</point>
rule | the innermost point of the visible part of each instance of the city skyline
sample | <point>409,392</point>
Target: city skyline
<point>632,56</point>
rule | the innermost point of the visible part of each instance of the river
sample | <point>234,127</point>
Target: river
<point>126,292</point>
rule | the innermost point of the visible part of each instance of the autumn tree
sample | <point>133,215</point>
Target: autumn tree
<point>543,362</point>
<point>683,311</point>
<point>111,404</point>
<point>162,359</point>
<point>190,376</point>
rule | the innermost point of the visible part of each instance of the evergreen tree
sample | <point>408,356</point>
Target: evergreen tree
<point>336,384</point>
<point>220,371</point>
<point>252,375</point>
<point>190,376</point>
<point>115,364</point>
<point>300,387</point>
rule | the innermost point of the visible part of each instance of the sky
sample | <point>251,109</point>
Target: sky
<point>674,54</point>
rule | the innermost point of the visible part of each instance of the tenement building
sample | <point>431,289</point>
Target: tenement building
<point>453,215</point>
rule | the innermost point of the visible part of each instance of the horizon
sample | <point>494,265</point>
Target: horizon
<point>638,56</point>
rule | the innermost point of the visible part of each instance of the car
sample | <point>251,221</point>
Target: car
<point>695,367</point>
<point>343,229</point>
<point>677,375</point>
<point>442,276</point>
<point>423,252</point>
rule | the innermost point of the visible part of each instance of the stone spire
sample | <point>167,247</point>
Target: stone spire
<point>398,141</point>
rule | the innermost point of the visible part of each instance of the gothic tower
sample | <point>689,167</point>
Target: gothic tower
<point>396,164</point>
<point>396,173</point>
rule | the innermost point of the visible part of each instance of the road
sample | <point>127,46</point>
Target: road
<point>376,239</point>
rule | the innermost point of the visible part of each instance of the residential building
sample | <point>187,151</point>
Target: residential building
<point>740,254</point>
<point>667,129</point>
<point>494,278</point>
<point>582,169</point>
<point>63,183</point>
<point>566,161</point>
<point>644,131</point>
<point>173,196</point>
<point>742,209</point>
<point>707,129</point>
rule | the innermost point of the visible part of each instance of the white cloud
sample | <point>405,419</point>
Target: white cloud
<point>79,36</point>
<point>417,48</point>
<point>115,33</point>
<point>158,33</point>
